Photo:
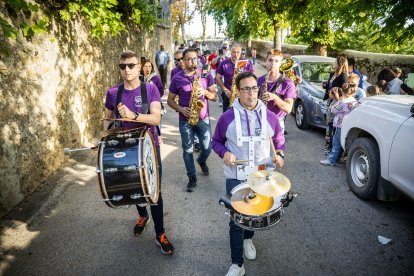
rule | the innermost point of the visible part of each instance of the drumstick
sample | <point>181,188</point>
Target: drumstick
<point>242,161</point>
<point>273,146</point>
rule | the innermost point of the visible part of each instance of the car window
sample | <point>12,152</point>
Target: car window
<point>316,71</point>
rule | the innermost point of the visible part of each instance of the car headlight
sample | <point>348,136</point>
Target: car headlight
<point>318,101</point>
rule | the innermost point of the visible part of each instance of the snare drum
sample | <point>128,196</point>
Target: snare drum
<point>128,168</point>
<point>258,222</point>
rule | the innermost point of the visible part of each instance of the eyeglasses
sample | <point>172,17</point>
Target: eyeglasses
<point>123,66</point>
<point>248,89</point>
<point>272,60</point>
<point>191,59</point>
<point>178,59</point>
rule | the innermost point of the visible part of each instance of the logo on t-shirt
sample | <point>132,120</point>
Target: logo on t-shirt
<point>138,101</point>
<point>257,131</point>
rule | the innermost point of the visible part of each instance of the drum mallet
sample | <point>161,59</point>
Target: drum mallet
<point>67,151</point>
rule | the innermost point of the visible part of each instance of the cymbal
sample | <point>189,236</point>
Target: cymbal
<point>250,203</point>
<point>269,183</point>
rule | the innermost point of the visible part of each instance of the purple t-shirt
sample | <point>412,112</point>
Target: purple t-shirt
<point>158,83</point>
<point>174,71</point>
<point>182,85</point>
<point>286,90</point>
<point>226,69</point>
<point>132,100</point>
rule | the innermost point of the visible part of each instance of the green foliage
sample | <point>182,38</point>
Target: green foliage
<point>29,24</point>
<point>108,16</point>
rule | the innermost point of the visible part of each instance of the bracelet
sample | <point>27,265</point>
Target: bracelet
<point>280,154</point>
<point>136,115</point>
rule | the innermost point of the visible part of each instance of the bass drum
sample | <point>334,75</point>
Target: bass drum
<point>128,169</point>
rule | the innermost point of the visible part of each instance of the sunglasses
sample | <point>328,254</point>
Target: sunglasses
<point>178,59</point>
<point>131,66</point>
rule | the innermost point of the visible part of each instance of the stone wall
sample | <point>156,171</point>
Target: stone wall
<point>52,91</point>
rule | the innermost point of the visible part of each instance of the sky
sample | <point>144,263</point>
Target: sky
<point>194,29</point>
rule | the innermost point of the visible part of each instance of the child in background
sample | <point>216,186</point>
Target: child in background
<point>341,108</point>
<point>330,117</point>
<point>373,90</point>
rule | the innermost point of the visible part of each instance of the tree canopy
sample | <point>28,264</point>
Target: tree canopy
<point>374,25</point>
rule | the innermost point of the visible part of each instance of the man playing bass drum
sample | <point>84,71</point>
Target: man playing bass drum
<point>130,108</point>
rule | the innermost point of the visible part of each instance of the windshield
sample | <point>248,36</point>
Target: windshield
<point>316,71</point>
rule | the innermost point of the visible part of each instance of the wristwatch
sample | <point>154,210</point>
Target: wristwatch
<point>136,115</point>
<point>280,153</point>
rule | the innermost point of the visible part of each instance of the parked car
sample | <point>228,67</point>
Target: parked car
<point>309,107</point>
<point>378,137</point>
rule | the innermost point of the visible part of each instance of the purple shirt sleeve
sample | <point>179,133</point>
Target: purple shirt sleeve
<point>219,138</point>
<point>158,83</point>
<point>278,137</point>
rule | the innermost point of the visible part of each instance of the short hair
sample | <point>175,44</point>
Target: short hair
<point>354,76</point>
<point>351,61</point>
<point>244,75</point>
<point>373,90</point>
<point>128,54</point>
<point>189,50</point>
<point>397,70</point>
<point>236,45</point>
<point>178,52</point>
<point>274,52</point>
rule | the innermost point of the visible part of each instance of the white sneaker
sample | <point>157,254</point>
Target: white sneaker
<point>220,104</point>
<point>236,270</point>
<point>249,249</point>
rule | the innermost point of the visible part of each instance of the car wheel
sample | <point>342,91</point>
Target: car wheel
<point>300,116</point>
<point>363,168</point>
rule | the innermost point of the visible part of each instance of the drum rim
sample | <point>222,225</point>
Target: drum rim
<point>143,174</point>
<point>102,186</point>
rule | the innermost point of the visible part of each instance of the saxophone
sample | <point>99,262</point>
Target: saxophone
<point>233,84</point>
<point>195,103</point>
<point>263,89</point>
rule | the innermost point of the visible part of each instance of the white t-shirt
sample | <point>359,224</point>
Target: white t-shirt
<point>395,86</point>
<point>162,57</point>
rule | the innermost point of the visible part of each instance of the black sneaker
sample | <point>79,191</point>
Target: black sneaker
<point>140,226</point>
<point>197,147</point>
<point>204,168</point>
<point>164,244</point>
<point>285,132</point>
<point>192,183</point>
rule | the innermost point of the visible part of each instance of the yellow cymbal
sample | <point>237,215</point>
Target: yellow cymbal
<point>247,202</point>
<point>269,183</point>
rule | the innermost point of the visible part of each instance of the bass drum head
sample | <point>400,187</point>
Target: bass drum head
<point>149,163</point>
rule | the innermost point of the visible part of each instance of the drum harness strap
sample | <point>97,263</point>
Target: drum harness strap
<point>144,106</point>
<point>251,138</point>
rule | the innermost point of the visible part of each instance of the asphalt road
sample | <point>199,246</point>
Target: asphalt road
<point>326,230</point>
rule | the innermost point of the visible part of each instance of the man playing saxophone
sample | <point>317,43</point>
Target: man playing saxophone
<point>193,120</point>
<point>277,91</point>
<point>226,70</point>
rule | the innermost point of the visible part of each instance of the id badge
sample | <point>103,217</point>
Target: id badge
<point>242,172</point>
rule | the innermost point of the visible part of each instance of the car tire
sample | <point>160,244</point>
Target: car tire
<point>363,168</point>
<point>300,116</point>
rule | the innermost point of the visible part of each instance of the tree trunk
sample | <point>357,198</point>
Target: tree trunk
<point>319,49</point>
<point>277,39</point>
<point>183,33</point>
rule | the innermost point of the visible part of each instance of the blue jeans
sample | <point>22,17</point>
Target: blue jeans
<point>237,234</point>
<point>336,147</point>
<point>203,131</point>
<point>156,210</point>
